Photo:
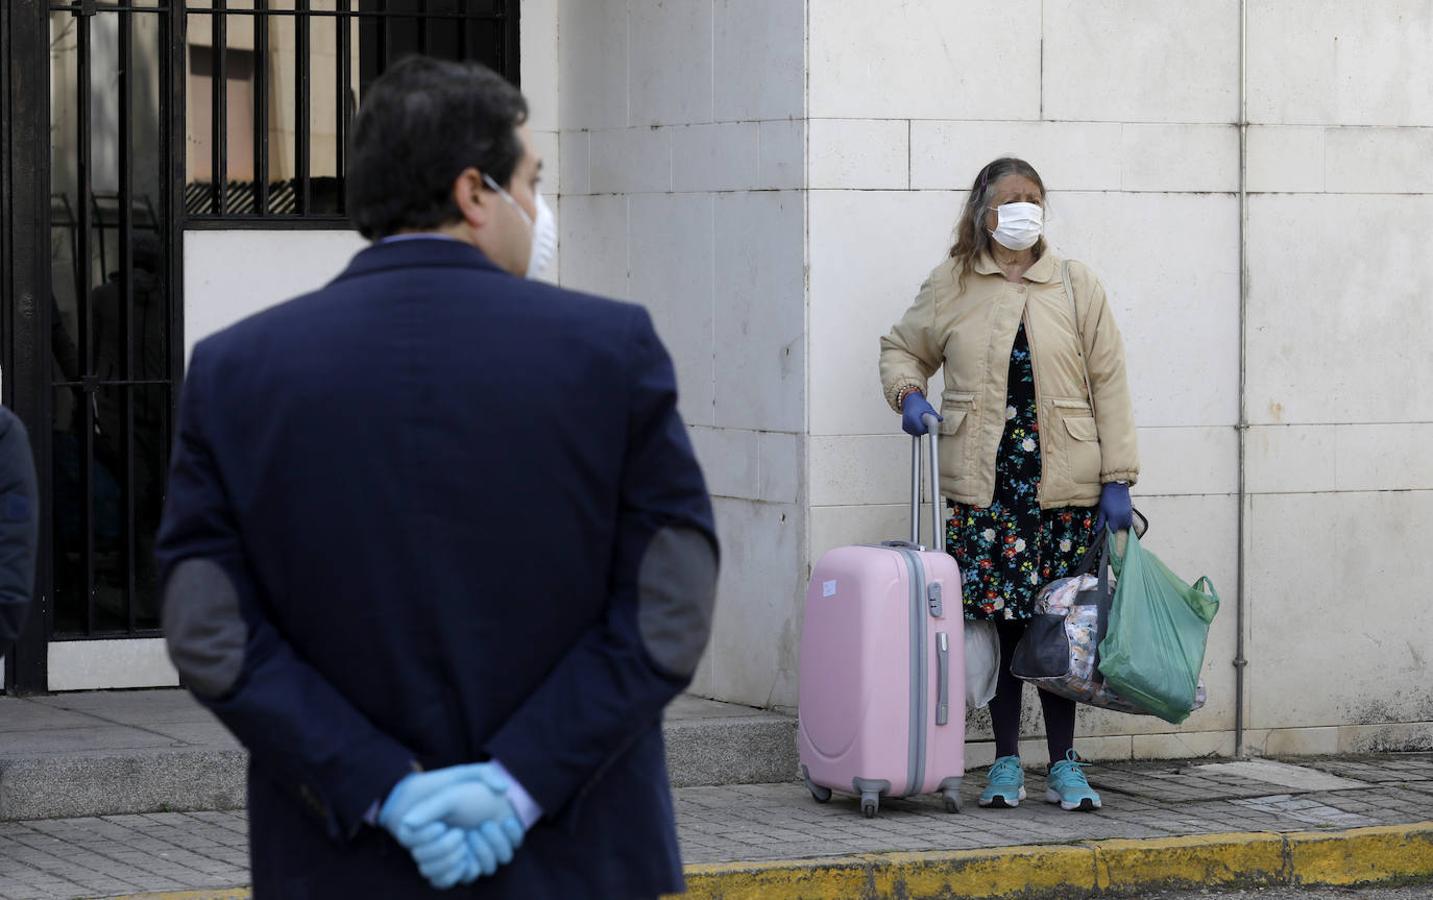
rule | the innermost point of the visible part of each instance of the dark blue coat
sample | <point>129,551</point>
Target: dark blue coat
<point>19,527</point>
<point>427,490</point>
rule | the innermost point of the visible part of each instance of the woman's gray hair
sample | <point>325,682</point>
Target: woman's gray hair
<point>971,238</point>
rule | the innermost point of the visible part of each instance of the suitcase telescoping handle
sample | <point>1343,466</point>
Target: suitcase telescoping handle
<point>937,520</point>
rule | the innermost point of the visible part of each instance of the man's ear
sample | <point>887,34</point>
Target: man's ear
<point>472,198</point>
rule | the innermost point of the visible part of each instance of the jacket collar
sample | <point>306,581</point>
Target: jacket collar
<point>1043,271</point>
<point>417,252</point>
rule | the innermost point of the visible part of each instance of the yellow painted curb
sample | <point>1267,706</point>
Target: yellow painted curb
<point>1190,861</point>
<point>1360,855</point>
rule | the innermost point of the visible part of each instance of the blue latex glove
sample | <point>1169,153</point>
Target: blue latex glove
<point>914,409</point>
<point>1116,510</point>
<point>475,806</point>
<point>451,852</point>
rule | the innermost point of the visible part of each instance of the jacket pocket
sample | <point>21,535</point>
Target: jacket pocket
<point>955,406</point>
<point>958,411</point>
<point>1082,449</point>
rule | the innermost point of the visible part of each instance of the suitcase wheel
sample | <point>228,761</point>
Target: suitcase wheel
<point>818,793</point>
<point>870,804</point>
<point>952,801</point>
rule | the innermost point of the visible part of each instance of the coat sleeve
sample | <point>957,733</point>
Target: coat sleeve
<point>911,353</point>
<point>19,527</point>
<point>1105,358</point>
<point>297,727</point>
<point>612,685</point>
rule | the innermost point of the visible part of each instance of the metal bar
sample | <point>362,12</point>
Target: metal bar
<point>1241,662</point>
<point>261,110</point>
<point>301,107</point>
<point>219,126</point>
<point>512,41</point>
<point>126,279</point>
<point>173,42</point>
<point>86,353</point>
<point>345,76</point>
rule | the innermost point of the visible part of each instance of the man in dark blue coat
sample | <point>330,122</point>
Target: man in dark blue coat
<point>436,547</point>
<point>19,527</point>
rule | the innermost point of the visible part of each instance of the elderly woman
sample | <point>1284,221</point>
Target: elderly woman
<point>1038,448</point>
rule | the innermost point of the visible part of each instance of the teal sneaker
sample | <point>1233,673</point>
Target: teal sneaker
<point>1005,787</point>
<point>1068,787</point>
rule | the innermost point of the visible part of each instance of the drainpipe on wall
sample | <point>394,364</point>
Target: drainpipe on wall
<point>1240,662</point>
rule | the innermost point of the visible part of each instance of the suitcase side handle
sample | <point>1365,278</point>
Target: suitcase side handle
<point>937,524</point>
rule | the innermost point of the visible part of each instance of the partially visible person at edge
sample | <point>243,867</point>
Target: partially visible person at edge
<point>1033,467</point>
<point>436,547</point>
<point>19,527</point>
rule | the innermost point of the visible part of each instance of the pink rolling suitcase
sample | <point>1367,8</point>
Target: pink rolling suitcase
<point>882,673</point>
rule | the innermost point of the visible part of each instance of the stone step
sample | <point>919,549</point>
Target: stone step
<point>119,752</point>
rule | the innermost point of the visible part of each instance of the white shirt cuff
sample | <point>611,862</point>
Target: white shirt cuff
<point>528,812</point>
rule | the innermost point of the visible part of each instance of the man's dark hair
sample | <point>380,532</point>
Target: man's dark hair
<point>423,122</point>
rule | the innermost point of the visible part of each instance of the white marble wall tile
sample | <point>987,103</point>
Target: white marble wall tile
<point>1196,158</point>
<point>1183,461</point>
<point>1327,62</point>
<point>541,62</point>
<point>729,459</point>
<point>1135,61</point>
<point>1338,628</point>
<point>631,160</point>
<point>1338,326</point>
<point>859,470</point>
<point>593,238</point>
<point>843,526</point>
<point>715,157</point>
<point>1286,159</point>
<point>592,76</point>
<point>924,60</point>
<point>757,625</point>
<point>853,302</point>
<point>760,59</point>
<point>863,154</point>
<point>670,61</point>
<point>671,274</point>
<point>779,466</point>
<point>782,156</point>
<point>1283,459</point>
<point>760,314</point>
<point>1068,155</point>
<point>1379,160</point>
<point>1384,457</point>
<point>576,171</point>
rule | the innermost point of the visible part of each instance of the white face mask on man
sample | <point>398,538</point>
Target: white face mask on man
<point>1019,225</point>
<point>544,230</point>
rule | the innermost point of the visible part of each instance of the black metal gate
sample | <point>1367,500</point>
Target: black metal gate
<point>112,309</point>
<point>96,139</point>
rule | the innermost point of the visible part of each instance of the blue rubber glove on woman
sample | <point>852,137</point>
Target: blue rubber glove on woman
<point>914,409</point>
<point>1116,509</point>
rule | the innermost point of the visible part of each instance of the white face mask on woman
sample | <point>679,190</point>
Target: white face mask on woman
<point>544,230</point>
<point>1019,225</point>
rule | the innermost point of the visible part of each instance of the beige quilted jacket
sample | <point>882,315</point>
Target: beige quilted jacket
<point>1085,440</point>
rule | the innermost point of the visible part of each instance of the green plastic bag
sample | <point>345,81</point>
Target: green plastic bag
<point>1153,650</point>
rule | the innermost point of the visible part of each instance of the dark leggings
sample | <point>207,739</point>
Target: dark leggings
<point>1005,706</point>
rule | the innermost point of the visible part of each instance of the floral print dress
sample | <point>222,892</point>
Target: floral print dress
<point>1012,548</point>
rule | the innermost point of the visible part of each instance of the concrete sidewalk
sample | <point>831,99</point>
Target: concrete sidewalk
<point>122,752</point>
<point>1316,821</point>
